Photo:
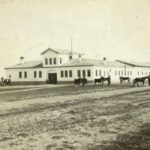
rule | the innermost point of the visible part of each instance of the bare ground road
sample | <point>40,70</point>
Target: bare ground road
<point>77,118</point>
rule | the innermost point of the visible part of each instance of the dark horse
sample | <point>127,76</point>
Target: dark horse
<point>123,79</point>
<point>142,79</point>
<point>79,81</point>
<point>107,79</point>
<point>98,80</point>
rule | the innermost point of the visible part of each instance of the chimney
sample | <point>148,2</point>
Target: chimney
<point>80,57</point>
<point>21,60</point>
<point>104,60</point>
<point>71,54</point>
<point>70,57</point>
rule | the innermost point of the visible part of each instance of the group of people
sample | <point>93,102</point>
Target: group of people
<point>5,81</point>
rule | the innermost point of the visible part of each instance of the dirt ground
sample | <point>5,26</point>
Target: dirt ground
<point>75,118</point>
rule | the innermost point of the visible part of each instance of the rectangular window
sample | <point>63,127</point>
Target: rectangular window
<point>83,73</point>
<point>60,60</point>
<point>20,74</point>
<point>138,73</point>
<point>25,74</point>
<point>104,73</point>
<point>116,73</point>
<point>88,73</point>
<point>62,73</point>
<point>79,73</point>
<point>66,73</point>
<point>70,73</point>
<point>46,61</point>
<point>107,73</point>
<point>99,72</point>
<point>34,74</point>
<point>54,61</point>
<point>122,73</point>
<point>50,61</point>
<point>119,73</point>
<point>40,74</point>
<point>131,73</point>
<point>125,73</point>
<point>96,72</point>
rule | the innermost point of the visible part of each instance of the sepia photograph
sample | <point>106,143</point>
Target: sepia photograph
<point>74,74</point>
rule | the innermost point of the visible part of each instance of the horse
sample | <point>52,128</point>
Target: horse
<point>80,80</point>
<point>142,79</point>
<point>123,79</point>
<point>84,81</point>
<point>108,79</point>
<point>77,81</point>
<point>98,80</point>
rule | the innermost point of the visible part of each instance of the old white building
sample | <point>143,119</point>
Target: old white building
<point>62,66</point>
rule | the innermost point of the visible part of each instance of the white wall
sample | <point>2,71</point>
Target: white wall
<point>30,73</point>
<point>51,54</point>
<point>108,70</point>
<point>131,72</point>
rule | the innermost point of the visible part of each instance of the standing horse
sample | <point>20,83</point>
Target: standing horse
<point>77,81</point>
<point>142,79</point>
<point>84,81</point>
<point>108,80</point>
<point>98,80</point>
<point>123,79</point>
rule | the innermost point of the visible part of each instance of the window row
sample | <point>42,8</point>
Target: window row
<point>142,73</point>
<point>84,73</point>
<point>35,74</point>
<point>66,73</point>
<point>80,73</point>
<point>126,73</point>
<point>119,73</point>
<point>39,74</point>
<point>107,73</point>
<point>99,73</point>
<point>23,74</point>
<point>52,61</point>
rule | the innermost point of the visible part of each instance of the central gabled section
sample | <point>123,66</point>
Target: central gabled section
<point>52,57</point>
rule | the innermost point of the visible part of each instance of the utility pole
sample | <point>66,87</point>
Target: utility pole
<point>71,48</point>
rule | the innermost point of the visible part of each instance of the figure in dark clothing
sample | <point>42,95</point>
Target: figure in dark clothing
<point>2,79</point>
<point>149,80</point>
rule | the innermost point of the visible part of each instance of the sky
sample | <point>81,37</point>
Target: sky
<point>115,29</point>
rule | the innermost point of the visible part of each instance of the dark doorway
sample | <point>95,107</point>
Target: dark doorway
<point>52,78</point>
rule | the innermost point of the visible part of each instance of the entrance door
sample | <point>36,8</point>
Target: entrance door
<point>52,78</point>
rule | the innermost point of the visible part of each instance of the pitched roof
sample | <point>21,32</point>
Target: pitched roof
<point>59,51</point>
<point>134,64</point>
<point>28,64</point>
<point>77,63</point>
<point>92,62</point>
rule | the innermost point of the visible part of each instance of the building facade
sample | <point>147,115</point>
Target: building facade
<point>62,66</point>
